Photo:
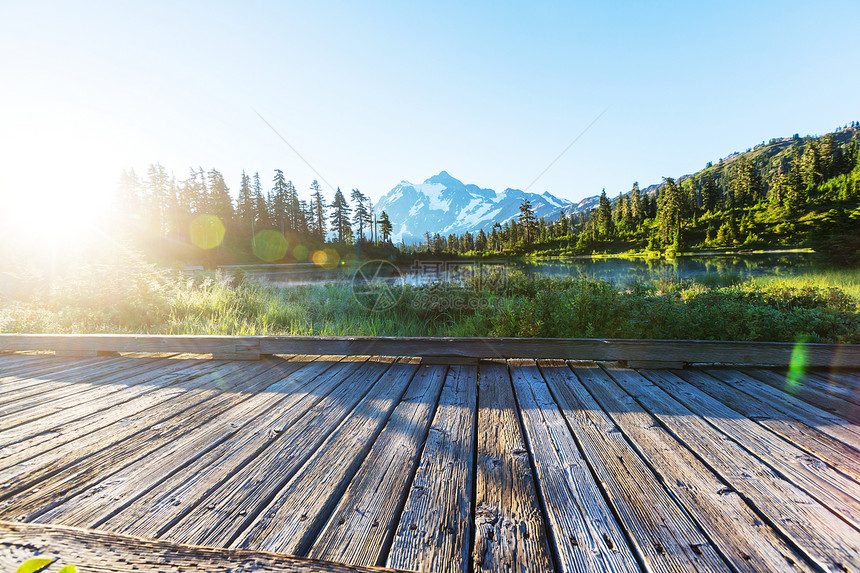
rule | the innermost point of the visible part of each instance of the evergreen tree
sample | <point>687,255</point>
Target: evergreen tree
<point>636,209</point>
<point>605,228</point>
<point>340,211</point>
<point>710,192</point>
<point>278,201</point>
<point>385,227</point>
<point>527,221</point>
<point>481,241</point>
<point>317,212</point>
<point>245,205</point>
<point>361,214</point>
<point>671,205</point>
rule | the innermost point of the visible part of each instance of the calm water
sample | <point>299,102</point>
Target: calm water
<point>616,270</point>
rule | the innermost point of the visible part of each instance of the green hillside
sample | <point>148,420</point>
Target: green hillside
<point>796,192</point>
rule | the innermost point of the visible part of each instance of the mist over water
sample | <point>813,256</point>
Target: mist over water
<point>617,270</point>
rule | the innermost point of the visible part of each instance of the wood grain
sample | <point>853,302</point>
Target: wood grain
<point>434,529</point>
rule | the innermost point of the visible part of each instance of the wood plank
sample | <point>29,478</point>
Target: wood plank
<point>845,379</point>
<point>765,412</point>
<point>686,351</point>
<point>817,532</point>
<point>35,377</point>
<point>434,529</point>
<point>831,488</point>
<point>221,517</point>
<point>39,363</point>
<point>799,387</point>
<point>155,501</point>
<point>293,519</point>
<point>584,533</point>
<point>199,451</point>
<point>34,492</point>
<point>837,384</point>
<point>361,526</point>
<point>662,534</point>
<point>32,441</point>
<point>742,538</point>
<point>69,406</point>
<point>510,534</point>
<point>797,409</point>
<point>99,552</point>
<point>48,395</point>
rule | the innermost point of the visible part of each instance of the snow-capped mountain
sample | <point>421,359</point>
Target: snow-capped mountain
<point>444,205</point>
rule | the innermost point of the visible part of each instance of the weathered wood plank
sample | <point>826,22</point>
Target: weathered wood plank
<point>818,533</point>
<point>837,384</point>
<point>199,451</point>
<point>584,533</point>
<point>361,526</point>
<point>765,412</point>
<point>222,516</point>
<point>829,423</point>
<point>35,365</point>
<point>236,347</point>
<point>665,538</point>
<point>510,534</point>
<point>49,395</point>
<point>159,504</point>
<point>800,387</point>
<point>92,396</point>
<point>40,379</point>
<point>806,471</point>
<point>434,529</point>
<point>62,478</point>
<point>99,552</point>
<point>293,519</point>
<point>40,441</point>
<point>748,544</point>
<point>686,351</point>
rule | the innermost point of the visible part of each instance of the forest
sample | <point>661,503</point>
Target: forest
<point>799,192</point>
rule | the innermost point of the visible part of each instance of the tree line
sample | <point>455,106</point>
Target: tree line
<point>771,186</point>
<point>160,210</point>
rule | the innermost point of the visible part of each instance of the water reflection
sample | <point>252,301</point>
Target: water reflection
<point>620,271</point>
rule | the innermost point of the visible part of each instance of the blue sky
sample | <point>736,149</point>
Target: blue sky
<point>374,92</point>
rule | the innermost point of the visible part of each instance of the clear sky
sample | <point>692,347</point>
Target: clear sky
<point>371,93</point>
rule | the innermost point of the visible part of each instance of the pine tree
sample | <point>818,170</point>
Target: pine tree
<point>481,241</point>
<point>278,201</point>
<point>670,210</point>
<point>636,209</point>
<point>360,214</point>
<point>385,227</point>
<point>710,192</point>
<point>605,228</point>
<point>245,205</point>
<point>317,213</point>
<point>261,210</point>
<point>340,211</point>
<point>527,221</point>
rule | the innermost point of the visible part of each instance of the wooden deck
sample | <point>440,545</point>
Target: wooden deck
<point>156,462</point>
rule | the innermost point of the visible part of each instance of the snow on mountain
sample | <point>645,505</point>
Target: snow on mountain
<point>444,205</point>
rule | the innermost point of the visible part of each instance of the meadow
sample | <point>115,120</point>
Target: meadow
<point>821,307</point>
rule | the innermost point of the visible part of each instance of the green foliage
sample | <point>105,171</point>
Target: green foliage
<point>145,300</point>
<point>33,565</point>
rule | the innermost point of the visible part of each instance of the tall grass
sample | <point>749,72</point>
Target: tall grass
<point>142,299</point>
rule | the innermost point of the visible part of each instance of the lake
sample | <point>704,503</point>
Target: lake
<point>617,270</point>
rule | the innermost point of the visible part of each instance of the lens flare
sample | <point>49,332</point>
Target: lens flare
<point>797,366</point>
<point>326,258</point>
<point>300,253</point>
<point>207,231</point>
<point>269,245</point>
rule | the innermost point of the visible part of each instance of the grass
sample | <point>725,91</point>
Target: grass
<point>142,299</point>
